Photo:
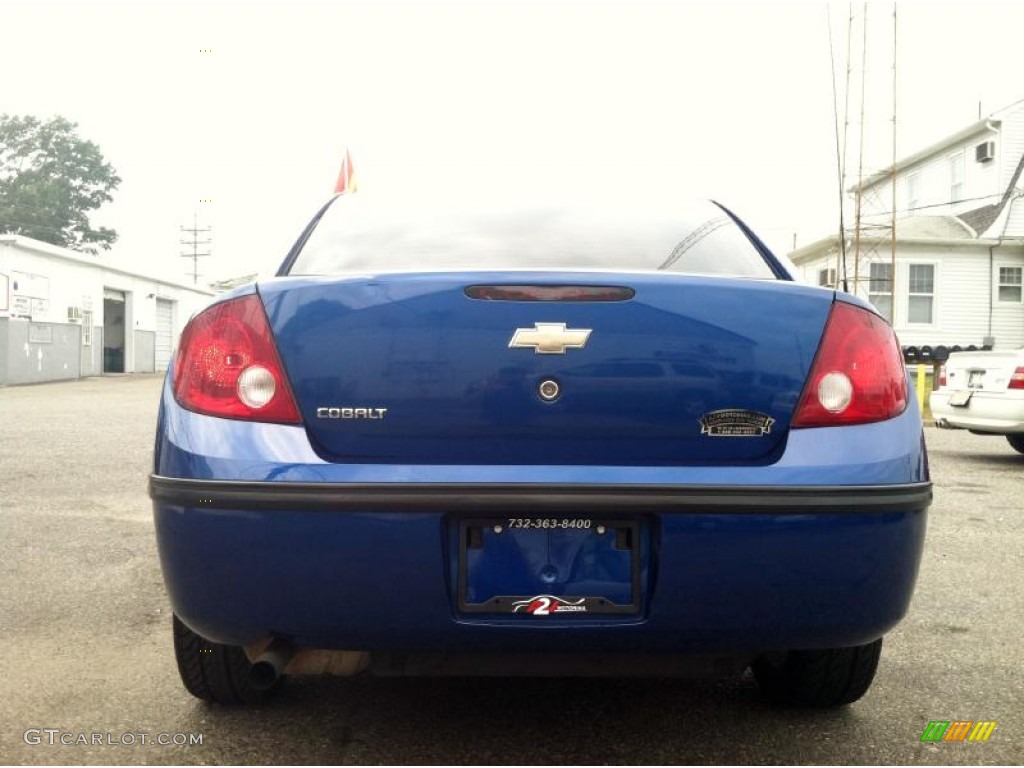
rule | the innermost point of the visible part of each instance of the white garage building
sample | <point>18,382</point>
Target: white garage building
<point>65,314</point>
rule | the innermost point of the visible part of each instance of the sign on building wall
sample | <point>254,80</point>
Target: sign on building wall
<point>40,334</point>
<point>21,306</point>
<point>30,285</point>
<point>30,295</point>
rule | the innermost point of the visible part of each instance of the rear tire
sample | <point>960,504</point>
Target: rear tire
<point>214,672</point>
<point>823,678</point>
<point>1016,441</point>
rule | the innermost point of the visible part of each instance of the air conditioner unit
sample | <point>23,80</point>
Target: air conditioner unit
<point>74,313</point>
<point>985,151</point>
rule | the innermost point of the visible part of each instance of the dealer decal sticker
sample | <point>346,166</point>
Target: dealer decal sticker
<point>736,422</point>
<point>545,605</point>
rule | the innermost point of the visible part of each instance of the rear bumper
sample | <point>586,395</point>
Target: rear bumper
<point>259,536</point>
<point>523,498</point>
<point>721,573</point>
<point>999,413</point>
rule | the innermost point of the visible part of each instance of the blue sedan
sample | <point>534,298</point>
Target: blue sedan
<point>536,440</point>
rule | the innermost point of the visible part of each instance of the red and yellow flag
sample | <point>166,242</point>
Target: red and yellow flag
<point>347,176</point>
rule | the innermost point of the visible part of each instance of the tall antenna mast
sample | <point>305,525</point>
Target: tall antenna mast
<point>860,160</point>
<point>846,121</point>
<point>892,178</point>
<point>840,152</point>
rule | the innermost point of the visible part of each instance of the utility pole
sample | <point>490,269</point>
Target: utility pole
<point>195,242</point>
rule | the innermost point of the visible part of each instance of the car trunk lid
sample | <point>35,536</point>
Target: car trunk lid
<point>988,371</point>
<point>427,368</point>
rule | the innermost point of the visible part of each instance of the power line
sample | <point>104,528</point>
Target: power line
<point>937,205</point>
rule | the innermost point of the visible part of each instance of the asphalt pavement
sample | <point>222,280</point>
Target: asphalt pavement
<point>85,638</point>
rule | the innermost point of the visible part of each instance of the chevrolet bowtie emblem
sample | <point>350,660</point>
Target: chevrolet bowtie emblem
<point>550,338</point>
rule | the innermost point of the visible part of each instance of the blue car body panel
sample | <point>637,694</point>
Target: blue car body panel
<point>385,580</point>
<point>439,362</point>
<point>720,583</point>
<point>194,446</point>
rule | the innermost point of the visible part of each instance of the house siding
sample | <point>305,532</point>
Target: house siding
<point>1015,219</point>
<point>964,288</point>
<point>961,297</point>
<point>1012,144</point>
<point>980,180</point>
<point>966,310</point>
<point>1007,318</point>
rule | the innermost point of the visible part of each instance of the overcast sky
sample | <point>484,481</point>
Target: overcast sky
<point>725,100</point>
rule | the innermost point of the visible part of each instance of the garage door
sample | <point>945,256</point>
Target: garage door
<point>164,332</point>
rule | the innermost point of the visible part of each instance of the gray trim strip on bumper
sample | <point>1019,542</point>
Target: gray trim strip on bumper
<point>540,498</point>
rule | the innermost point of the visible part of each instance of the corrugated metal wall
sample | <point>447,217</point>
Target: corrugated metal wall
<point>164,332</point>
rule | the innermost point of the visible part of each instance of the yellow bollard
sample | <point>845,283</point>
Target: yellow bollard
<point>921,368</point>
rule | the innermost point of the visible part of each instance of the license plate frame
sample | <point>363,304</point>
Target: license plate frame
<point>549,601</point>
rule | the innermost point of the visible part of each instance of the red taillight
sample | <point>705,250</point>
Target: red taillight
<point>858,375</point>
<point>227,365</point>
<point>1017,378</point>
<point>942,376</point>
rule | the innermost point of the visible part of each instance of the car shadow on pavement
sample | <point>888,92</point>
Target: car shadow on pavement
<point>526,721</point>
<point>1001,459</point>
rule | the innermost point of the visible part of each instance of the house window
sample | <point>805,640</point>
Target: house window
<point>921,287</point>
<point>956,177</point>
<point>86,327</point>
<point>1010,279</point>
<point>913,191</point>
<point>827,278</point>
<point>880,289</point>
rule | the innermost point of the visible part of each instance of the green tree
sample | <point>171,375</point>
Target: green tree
<point>50,179</point>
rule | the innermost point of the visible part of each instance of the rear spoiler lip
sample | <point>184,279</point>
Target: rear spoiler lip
<point>589,498</point>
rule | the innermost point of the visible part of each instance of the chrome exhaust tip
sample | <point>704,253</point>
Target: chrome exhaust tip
<point>269,667</point>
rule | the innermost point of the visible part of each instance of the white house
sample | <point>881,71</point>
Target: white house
<point>64,314</point>
<point>959,240</point>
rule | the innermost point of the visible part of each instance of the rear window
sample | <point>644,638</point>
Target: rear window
<point>355,235</point>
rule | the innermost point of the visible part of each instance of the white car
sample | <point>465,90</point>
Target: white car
<point>983,392</point>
